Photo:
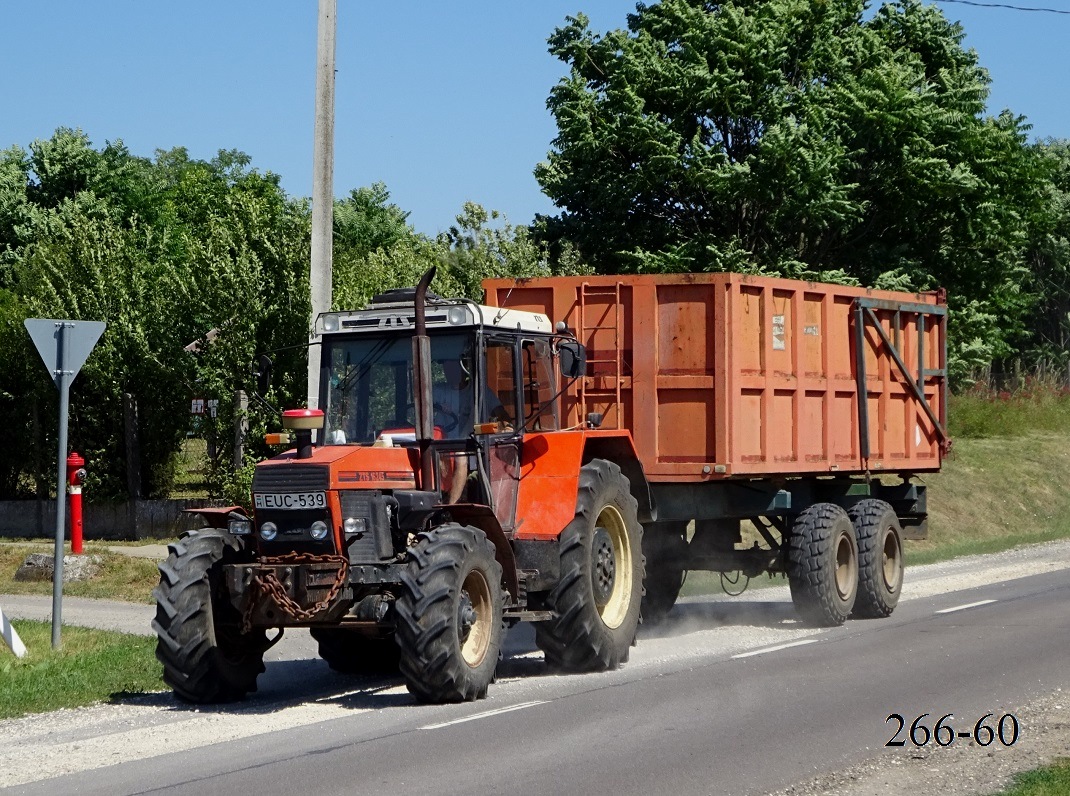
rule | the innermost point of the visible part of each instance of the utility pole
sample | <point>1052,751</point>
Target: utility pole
<point>322,186</point>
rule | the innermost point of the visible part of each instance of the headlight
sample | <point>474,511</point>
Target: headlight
<point>457,316</point>
<point>268,531</point>
<point>330,323</point>
<point>240,527</point>
<point>318,529</point>
<point>354,525</point>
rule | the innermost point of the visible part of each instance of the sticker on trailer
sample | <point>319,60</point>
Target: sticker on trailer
<point>290,500</point>
<point>778,333</point>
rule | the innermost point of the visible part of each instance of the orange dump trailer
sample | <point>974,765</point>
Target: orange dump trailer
<point>720,375</point>
<point>755,398</point>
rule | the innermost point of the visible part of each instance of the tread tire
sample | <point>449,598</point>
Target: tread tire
<point>877,528</point>
<point>352,652</point>
<point>206,658</point>
<point>432,658</point>
<point>665,548</point>
<point>579,640</point>
<point>823,565</point>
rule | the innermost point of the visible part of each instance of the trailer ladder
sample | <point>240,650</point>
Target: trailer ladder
<point>613,364</point>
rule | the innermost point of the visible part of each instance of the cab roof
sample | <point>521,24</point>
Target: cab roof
<point>439,314</point>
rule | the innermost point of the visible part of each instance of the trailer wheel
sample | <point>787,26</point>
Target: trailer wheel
<point>205,656</point>
<point>450,627</point>
<point>823,565</point>
<point>598,595</point>
<point>665,548</point>
<point>880,558</point>
<point>352,652</point>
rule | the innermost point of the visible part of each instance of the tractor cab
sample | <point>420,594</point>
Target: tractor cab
<point>492,379</point>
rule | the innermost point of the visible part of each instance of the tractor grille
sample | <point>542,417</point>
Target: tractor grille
<point>291,478</point>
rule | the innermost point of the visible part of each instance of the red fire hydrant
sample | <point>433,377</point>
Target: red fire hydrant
<point>75,479</point>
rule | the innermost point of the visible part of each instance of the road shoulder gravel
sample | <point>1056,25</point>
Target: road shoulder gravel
<point>146,726</point>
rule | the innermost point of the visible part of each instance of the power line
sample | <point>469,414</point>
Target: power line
<point>1004,5</point>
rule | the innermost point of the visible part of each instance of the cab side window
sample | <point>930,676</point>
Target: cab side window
<point>539,386</point>
<point>500,400</point>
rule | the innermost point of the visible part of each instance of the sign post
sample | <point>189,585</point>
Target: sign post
<point>64,347</point>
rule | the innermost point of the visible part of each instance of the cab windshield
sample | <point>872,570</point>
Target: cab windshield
<point>369,387</point>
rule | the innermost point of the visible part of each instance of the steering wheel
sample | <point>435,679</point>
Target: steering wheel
<point>451,418</point>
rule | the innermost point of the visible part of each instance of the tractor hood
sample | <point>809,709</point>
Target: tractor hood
<point>346,467</point>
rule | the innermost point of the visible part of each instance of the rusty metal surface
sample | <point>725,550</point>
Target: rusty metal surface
<point>726,375</point>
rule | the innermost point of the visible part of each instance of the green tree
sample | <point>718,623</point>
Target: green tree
<point>798,138</point>
<point>1049,262</point>
<point>376,249</point>
<point>367,221</point>
<point>167,252</point>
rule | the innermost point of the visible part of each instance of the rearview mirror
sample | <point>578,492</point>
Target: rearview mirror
<point>572,359</point>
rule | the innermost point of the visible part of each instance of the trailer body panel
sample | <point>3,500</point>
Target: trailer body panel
<point>725,375</point>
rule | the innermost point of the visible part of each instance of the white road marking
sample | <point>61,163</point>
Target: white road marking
<point>964,607</point>
<point>485,714</point>
<point>777,648</point>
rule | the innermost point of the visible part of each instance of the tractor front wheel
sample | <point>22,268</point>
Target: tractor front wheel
<point>205,655</point>
<point>449,613</point>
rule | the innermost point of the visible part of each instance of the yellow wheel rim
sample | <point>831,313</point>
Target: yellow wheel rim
<point>475,644</point>
<point>616,606</point>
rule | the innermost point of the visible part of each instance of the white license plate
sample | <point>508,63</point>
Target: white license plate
<point>291,500</point>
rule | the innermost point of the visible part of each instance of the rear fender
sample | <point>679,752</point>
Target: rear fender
<point>549,477</point>
<point>619,449</point>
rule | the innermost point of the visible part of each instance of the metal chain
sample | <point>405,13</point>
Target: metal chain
<point>267,583</point>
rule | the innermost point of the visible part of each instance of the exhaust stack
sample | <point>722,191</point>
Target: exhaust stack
<point>421,383</point>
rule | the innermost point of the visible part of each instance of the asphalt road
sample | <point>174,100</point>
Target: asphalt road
<point>731,698</point>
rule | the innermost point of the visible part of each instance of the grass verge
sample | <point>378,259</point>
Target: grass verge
<point>1053,780</point>
<point>995,494</point>
<point>121,577</point>
<point>987,413</point>
<point>92,666</point>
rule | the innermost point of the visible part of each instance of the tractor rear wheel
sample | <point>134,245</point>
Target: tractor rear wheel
<point>206,658</point>
<point>450,629</point>
<point>597,597</point>
<point>880,558</point>
<point>352,652</point>
<point>665,548</point>
<point>823,565</point>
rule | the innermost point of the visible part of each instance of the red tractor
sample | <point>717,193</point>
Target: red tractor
<point>443,502</point>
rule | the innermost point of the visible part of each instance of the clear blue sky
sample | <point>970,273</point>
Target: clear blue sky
<point>444,102</point>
